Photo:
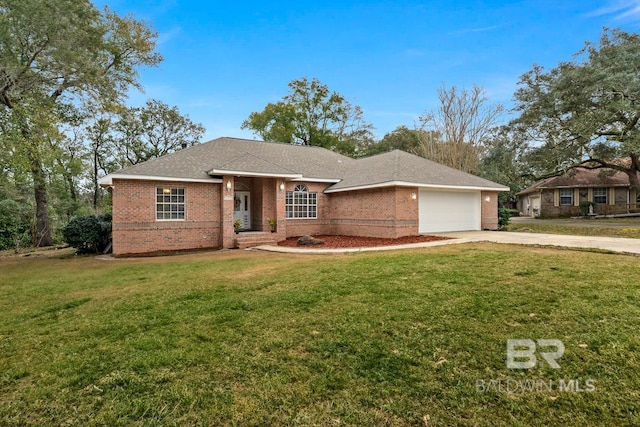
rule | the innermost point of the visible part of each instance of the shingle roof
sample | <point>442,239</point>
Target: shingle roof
<point>235,156</point>
<point>581,178</point>
<point>399,167</point>
<point>243,156</point>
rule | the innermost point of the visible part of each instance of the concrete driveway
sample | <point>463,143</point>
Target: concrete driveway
<point>613,244</point>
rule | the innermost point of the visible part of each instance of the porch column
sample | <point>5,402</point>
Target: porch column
<point>227,233</point>
<point>280,210</point>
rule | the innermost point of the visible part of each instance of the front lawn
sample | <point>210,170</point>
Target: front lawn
<point>591,229</point>
<point>249,338</point>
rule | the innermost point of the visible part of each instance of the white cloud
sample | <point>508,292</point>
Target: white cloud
<point>619,9</point>
<point>165,36</point>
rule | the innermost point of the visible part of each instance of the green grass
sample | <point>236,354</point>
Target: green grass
<point>245,338</point>
<point>632,231</point>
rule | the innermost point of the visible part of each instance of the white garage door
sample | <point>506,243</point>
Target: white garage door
<point>441,211</point>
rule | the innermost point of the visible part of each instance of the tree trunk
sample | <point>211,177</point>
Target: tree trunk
<point>632,172</point>
<point>633,180</point>
<point>73,194</point>
<point>42,236</point>
<point>96,187</point>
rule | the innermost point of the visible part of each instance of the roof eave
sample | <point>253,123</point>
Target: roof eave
<point>524,193</point>
<point>255,174</point>
<point>327,180</point>
<point>415,184</point>
<point>107,181</point>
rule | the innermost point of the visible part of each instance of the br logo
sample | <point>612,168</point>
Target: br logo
<point>521,353</point>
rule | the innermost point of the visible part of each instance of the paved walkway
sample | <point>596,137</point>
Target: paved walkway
<point>613,244</point>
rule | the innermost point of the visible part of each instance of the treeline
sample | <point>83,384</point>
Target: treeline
<point>66,68</point>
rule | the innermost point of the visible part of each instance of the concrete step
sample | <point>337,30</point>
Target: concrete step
<point>254,238</point>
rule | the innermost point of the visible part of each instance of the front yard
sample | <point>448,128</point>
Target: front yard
<point>246,338</point>
<point>618,227</point>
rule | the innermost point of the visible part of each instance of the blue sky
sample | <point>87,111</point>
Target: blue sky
<point>223,60</point>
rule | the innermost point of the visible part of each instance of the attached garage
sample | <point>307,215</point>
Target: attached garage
<point>441,211</point>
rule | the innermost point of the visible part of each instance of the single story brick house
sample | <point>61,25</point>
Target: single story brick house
<point>190,199</point>
<point>560,196</point>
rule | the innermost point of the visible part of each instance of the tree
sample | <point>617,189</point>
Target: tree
<point>313,115</point>
<point>505,162</point>
<point>55,55</point>
<point>401,138</point>
<point>118,136</point>
<point>585,112</point>
<point>455,133</point>
<point>100,152</point>
<point>152,131</point>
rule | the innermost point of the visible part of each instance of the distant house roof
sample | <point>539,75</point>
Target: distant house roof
<point>207,162</point>
<point>581,178</point>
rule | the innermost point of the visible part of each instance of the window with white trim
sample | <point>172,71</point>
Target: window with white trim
<point>600,195</point>
<point>169,203</point>
<point>566,196</point>
<point>300,203</point>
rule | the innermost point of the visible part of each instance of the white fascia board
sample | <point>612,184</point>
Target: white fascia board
<point>414,184</point>
<point>256,174</point>
<point>328,180</point>
<point>462,187</point>
<point>107,181</point>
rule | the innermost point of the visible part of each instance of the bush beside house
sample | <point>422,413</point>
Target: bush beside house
<point>88,233</point>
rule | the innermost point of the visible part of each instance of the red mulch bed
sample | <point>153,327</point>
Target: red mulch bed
<point>359,242</point>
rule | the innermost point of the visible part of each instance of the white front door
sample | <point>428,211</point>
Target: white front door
<point>242,208</point>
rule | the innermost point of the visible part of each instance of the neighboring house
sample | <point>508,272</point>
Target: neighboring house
<point>191,198</point>
<point>560,196</point>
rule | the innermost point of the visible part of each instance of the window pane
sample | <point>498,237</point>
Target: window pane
<point>300,203</point>
<point>600,195</point>
<point>170,203</point>
<point>566,196</point>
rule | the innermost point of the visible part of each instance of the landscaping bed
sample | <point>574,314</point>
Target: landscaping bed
<point>331,242</point>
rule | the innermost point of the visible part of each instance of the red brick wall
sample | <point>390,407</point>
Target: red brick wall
<point>489,212</point>
<point>389,212</point>
<point>383,212</point>
<point>136,230</point>
<point>268,196</point>
<point>312,226</point>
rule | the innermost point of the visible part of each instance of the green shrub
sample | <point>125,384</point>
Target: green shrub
<point>584,207</point>
<point>503,217</point>
<point>14,225</point>
<point>89,233</point>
